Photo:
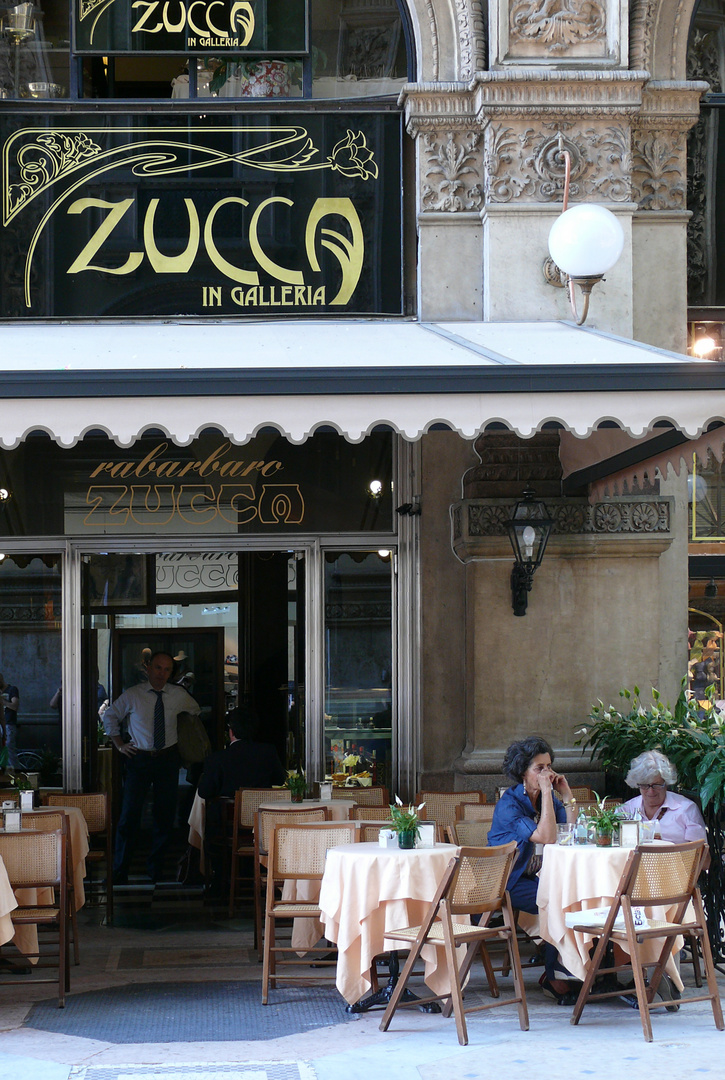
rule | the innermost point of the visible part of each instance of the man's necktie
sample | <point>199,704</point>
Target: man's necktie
<point>159,721</point>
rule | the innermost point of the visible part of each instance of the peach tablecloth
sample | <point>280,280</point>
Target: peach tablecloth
<point>8,903</point>
<point>367,890</point>
<point>576,879</point>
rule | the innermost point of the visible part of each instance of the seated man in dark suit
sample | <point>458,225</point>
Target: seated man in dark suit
<point>244,763</point>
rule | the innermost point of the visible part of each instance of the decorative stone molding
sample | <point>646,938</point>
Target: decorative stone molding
<point>624,526</point>
<point>535,92</point>
<point>659,142</point>
<point>451,173</point>
<point>641,25</point>
<point>556,26</point>
<point>590,32</point>
<point>471,21</point>
<point>524,164</point>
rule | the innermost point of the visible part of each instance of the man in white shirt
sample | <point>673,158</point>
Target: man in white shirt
<point>151,759</point>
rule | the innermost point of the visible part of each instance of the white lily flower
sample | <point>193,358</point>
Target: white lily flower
<point>398,800</point>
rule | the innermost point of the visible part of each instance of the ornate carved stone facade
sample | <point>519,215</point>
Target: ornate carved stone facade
<point>471,19</point>
<point>556,25</point>
<point>523,163</point>
<point>451,172</point>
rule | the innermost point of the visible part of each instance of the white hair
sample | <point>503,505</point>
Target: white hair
<point>644,768</point>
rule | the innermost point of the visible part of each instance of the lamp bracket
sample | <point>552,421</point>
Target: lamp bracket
<point>522,577</point>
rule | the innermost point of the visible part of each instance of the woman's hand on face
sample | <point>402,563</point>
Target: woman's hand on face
<point>560,785</point>
<point>546,777</point>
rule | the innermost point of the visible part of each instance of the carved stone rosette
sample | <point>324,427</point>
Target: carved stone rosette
<point>628,525</point>
<point>523,163</point>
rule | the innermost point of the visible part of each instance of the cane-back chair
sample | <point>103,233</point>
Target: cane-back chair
<point>474,884</point>
<point>297,854</point>
<point>363,796</point>
<point>265,821</point>
<point>654,876</point>
<point>96,809</point>
<point>246,805</point>
<point>38,861</point>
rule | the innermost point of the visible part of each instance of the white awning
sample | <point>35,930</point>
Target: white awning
<point>353,376</point>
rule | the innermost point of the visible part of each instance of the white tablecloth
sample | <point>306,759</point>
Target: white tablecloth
<point>576,879</point>
<point>8,903</point>
<point>367,890</point>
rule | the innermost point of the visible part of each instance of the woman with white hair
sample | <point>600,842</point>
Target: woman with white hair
<point>676,818</point>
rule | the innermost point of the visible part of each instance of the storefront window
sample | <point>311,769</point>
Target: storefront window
<point>31,665</point>
<point>167,49</point>
<point>358,666</point>
<point>211,486</point>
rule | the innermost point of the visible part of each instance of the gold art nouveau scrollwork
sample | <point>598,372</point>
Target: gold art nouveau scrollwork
<point>57,155</point>
<point>557,24</point>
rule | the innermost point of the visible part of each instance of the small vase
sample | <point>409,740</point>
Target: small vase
<point>406,839</point>
<point>604,839</point>
<point>297,796</point>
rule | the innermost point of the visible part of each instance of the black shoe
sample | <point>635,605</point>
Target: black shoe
<point>669,992</point>
<point>11,968</point>
<point>569,997</point>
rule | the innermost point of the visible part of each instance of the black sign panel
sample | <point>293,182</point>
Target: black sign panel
<point>202,27</point>
<point>168,214</point>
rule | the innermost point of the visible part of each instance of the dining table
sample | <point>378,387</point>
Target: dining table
<point>8,903</point>
<point>368,889</point>
<point>578,877</point>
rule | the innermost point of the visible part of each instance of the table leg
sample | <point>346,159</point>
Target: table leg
<point>381,998</point>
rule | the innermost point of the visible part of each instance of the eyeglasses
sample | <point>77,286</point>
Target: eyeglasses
<point>652,787</point>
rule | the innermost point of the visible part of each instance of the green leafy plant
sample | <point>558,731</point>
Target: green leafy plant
<point>21,782</point>
<point>404,819</point>
<point>605,818</point>
<point>48,767</point>
<point>693,738</point>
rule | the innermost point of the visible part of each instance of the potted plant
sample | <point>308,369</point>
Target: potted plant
<point>405,822</point>
<point>605,820</point>
<point>297,784</point>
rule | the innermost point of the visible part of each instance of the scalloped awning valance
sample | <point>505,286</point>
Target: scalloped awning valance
<point>352,376</point>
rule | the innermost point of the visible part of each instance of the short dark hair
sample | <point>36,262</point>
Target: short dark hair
<point>243,723</point>
<point>520,755</point>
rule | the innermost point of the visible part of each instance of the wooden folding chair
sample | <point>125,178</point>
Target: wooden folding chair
<point>246,805</point>
<point>468,811</point>
<point>43,822</point>
<point>474,884</point>
<point>96,809</point>
<point>38,860</point>
<point>440,806</point>
<point>469,833</point>
<point>363,796</point>
<point>297,853</point>
<point>264,822</point>
<point>654,876</point>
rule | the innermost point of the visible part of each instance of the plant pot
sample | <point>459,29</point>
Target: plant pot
<point>406,839</point>
<point>604,839</point>
<point>297,796</point>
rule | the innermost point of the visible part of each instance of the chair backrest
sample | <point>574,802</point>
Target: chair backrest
<point>247,801</point>
<point>363,796</point>
<point>440,806</point>
<point>298,851</point>
<point>94,806</point>
<point>371,813</point>
<point>44,822</point>
<point>9,794</point>
<point>662,875</point>
<point>469,833</point>
<point>35,859</point>
<point>468,811</point>
<point>583,794</point>
<point>479,883</point>
<point>266,820</point>
<point>369,830</point>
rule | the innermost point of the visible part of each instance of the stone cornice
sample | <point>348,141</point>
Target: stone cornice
<point>674,105</point>
<point>629,526</point>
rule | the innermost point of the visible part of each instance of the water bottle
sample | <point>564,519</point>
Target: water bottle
<point>581,830</point>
